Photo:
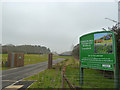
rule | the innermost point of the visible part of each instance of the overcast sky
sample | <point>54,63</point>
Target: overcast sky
<point>57,25</point>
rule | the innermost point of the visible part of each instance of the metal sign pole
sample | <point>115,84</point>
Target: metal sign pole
<point>116,76</point>
<point>81,75</point>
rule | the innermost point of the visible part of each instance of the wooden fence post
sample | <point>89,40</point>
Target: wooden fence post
<point>2,63</point>
<point>63,79</point>
<point>50,61</point>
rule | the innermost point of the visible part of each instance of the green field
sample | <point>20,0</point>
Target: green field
<point>34,58</point>
<point>52,78</point>
<point>29,59</point>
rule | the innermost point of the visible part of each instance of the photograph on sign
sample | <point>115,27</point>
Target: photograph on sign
<point>102,52</point>
<point>103,43</point>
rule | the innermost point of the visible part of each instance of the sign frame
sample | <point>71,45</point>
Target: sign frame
<point>102,61</point>
<point>115,64</point>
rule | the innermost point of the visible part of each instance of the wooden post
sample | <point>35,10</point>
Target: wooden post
<point>63,79</point>
<point>50,61</point>
<point>2,63</point>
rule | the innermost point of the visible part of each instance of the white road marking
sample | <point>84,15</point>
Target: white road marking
<point>14,87</point>
<point>29,75</point>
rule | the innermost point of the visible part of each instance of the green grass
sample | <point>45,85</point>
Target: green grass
<point>46,79</point>
<point>29,59</point>
<point>51,78</point>
<point>4,68</point>
<point>94,79</point>
<point>34,58</point>
<point>4,57</point>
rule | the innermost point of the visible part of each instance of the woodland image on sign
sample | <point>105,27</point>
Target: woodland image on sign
<point>103,43</point>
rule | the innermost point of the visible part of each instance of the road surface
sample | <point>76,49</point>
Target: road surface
<point>10,76</point>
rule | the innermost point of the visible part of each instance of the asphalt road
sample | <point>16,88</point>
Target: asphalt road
<point>10,76</point>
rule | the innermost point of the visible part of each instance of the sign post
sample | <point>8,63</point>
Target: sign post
<point>81,75</point>
<point>98,51</point>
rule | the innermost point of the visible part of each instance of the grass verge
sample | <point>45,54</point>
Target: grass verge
<point>51,78</point>
<point>28,59</point>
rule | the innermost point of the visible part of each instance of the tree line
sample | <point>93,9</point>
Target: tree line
<point>27,49</point>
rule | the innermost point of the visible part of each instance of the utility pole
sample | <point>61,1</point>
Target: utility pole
<point>118,54</point>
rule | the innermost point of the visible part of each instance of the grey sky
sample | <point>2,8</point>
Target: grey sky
<point>55,25</point>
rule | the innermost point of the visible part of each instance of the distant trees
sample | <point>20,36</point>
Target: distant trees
<point>75,51</point>
<point>29,49</point>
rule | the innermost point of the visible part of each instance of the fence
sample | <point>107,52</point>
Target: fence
<point>53,78</point>
<point>64,78</point>
<point>92,78</point>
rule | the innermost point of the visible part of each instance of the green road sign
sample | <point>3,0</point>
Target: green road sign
<point>97,50</point>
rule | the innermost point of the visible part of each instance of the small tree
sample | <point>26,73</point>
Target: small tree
<point>75,51</point>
